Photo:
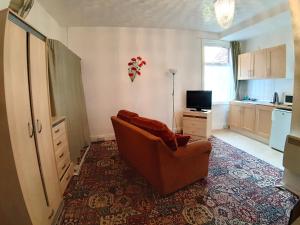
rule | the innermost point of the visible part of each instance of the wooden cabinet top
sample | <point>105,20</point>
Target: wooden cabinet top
<point>259,103</point>
<point>196,113</point>
<point>57,120</point>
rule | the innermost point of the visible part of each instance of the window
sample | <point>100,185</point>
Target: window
<point>218,73</point>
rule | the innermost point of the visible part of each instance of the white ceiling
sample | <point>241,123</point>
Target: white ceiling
<point>280,21</point>
<point>174,14</point>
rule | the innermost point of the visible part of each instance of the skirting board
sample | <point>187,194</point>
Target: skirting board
<point>103,137</point>
<point>77,167</point>
<point>107,137</point>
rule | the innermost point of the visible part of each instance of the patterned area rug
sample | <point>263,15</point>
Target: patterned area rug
<point>238,190</point>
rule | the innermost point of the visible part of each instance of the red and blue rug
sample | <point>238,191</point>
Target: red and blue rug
<point>239,190</point>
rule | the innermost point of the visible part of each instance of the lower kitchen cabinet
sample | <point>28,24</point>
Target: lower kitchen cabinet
<point>248,117</point>
<point>252,120</point>
<point>264,120</point>
<point>235,115</point>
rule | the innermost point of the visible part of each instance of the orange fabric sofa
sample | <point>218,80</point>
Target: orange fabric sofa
<point>166,170</point>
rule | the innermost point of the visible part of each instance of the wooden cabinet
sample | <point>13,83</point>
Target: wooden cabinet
<point>248,117</point>
<point>263,120</point>
<point>197,124</point>
<point>31,190</point>
<point>42,116</point>
<point>253,120</point>
<point>245,67</point>
<point>266,63</point>
<point>64,165</point>
<point>260,64</point>
<point>235,115</point>
<point>17,137</point>
<point>276,63</point>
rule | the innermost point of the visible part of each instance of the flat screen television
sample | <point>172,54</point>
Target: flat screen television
<point>199,100</point>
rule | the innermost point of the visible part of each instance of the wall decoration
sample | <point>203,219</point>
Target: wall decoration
<point>134,67</point>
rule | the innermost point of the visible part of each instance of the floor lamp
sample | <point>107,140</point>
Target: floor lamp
<point>173,72</point>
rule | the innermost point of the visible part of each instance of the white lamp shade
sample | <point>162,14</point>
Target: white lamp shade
<point>173,71</point>
<point>224,10</point>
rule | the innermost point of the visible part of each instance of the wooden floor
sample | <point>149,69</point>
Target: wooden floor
<point>253,147</point>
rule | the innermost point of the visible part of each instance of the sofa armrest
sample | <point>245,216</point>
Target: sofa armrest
<point>186,165</point>
<point>194,149</point>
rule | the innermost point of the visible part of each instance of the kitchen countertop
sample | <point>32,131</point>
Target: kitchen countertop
<point>265,103</point>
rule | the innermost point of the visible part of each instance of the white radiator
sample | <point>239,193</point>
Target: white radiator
<point>291,163</point>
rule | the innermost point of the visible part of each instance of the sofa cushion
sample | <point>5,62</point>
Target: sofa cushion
<point>182,140</point>
<point>156,128</point>
<point>126,115</point>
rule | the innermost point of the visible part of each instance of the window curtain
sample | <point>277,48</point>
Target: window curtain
<point>21,7</point>
<point>235,51</point>
<point>67,96</point>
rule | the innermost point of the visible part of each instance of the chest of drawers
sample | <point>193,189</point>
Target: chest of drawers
<point>64,165</point>
<point>197,124</point>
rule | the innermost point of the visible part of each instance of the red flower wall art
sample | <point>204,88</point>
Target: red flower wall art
<point>134,67</point>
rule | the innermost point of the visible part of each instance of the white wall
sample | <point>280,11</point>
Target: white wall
<point>220,116</point>
<point>4,4</point>
<point>46,24</point>
<point>264,89</point>
<point>40,19</point>
<point>105,53</point>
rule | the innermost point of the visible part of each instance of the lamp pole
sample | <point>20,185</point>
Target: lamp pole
<point>173,115</point>
<point>173,72</point>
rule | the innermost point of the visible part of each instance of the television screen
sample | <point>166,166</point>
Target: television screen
<point>198,99</point>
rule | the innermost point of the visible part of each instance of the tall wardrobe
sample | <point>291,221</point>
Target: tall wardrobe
<point>29,185</point>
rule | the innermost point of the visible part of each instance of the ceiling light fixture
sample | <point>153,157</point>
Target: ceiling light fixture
<point>224,10</point>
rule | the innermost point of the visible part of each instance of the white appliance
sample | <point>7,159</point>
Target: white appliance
<point>281,127</point>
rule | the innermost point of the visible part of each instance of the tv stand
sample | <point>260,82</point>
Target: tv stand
<point>198,110</point>
<point>197,123</point>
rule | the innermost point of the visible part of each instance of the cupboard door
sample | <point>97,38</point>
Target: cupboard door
<point>260,64</point>
<point>263,121</point>
<point>235,116</point>
<point>20,125</point>
<point>245,66</point>
<point>276,64</point>
<point>42,121</point>
<point>248,117</point>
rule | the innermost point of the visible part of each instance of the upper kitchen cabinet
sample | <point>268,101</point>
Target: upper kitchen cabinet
<point>245,67</point>
<point>269,63</point>
<point>260,64</point>
<point>276,62</point>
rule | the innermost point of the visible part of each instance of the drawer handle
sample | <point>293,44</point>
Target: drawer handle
<point>61,155</point>
<point>59,143</point>
<point>56,131</point>
<point>64,166</point>
<point>51,214</point>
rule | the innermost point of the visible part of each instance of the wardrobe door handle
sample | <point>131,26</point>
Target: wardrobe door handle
<point>39,126</point>
<point>30,130</point>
